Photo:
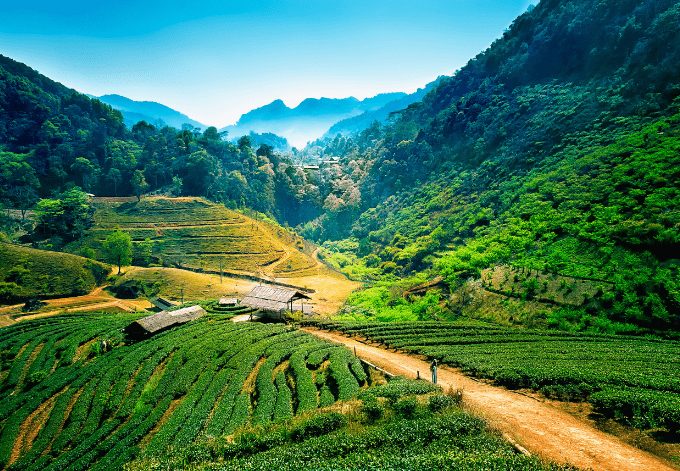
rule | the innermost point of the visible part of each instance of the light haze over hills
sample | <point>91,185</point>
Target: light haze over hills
<point>149,111</point>
<point>311,119</point>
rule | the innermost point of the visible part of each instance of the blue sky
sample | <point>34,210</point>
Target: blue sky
<point>215,60</point>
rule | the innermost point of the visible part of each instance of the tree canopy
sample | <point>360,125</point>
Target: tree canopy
<point>118,249</point>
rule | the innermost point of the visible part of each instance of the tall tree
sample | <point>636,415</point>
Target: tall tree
<point>18,181</point>
<point>67,216</point>
<point>139,184</point>
<point>118,248</point>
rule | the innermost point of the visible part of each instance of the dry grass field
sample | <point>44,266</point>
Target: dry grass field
<point>196,234</point>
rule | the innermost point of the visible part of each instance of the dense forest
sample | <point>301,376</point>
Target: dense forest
<point>53,138</point>
<point>554,150</point>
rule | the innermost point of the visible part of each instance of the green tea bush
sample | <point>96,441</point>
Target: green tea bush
<point>318,425</point>
<point>406,407</point>
<point>440,402</point>
<point>371,410</point>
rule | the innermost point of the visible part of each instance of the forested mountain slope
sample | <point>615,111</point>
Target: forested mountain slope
<point>52,138</point>
<point>366,119</point>
<point>555,149</point>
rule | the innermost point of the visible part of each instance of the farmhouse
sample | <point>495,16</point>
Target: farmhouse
<point>275,299</point>
<point>150,325</point>
<point>228,302</point>
<point>161,303</point>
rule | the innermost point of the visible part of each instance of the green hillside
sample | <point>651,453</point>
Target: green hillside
<point>70,401</point>
<point>196,234</point>
<point>436,435</point>
<point>53,138</point>
<point>210,376</point>
<point>555,150</point>
<point>27,273</point>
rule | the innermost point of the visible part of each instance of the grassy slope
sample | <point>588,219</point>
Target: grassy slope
<point>172,283</point>
<point>197,234</point>
<point>27,272</point>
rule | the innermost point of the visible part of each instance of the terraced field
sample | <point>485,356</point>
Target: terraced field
<point>196,234</point>
<point>634,380</point>
<point>69,400</point>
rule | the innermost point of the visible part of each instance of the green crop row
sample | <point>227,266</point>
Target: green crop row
<point>94,407</point>
<point>561,365</point>
<point>641,408</point>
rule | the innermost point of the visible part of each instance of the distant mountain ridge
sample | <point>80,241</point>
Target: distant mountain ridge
<point>360,122</point>
<point>311,119</point>
<point>154,113</point>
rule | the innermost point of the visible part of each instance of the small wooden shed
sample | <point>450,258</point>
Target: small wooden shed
<point>162,303</point>
<point>228,301</point>
<point>155,323</point>
<point>275,299</point>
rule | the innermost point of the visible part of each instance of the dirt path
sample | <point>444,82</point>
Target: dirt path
<point>95,300</point>
<point>540,428</point>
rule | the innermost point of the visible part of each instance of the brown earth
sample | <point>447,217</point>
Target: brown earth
<point>538,427</point>
<point>31,427</point>
<point>97,300</point>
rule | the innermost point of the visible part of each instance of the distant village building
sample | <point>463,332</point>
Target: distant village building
<point>155,323</point>
<point>162,303</point>
<point>275,300</point>
<point>228,302</point>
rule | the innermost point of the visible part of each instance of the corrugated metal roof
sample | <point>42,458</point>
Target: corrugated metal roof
<point>164,319</point>
<point>272,298</point>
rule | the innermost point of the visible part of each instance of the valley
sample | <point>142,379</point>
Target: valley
<point>483,273</point>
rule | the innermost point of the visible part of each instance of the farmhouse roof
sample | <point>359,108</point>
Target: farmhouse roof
<point>272,298</point>
<point>228,302</point>
<point>164,319</point>
<point>161,303</point>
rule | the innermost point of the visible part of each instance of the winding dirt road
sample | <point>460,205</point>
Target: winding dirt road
<point>537,427</point>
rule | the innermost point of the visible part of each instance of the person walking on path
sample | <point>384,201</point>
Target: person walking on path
<point>433,368</point>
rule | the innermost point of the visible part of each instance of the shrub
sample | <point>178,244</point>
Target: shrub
<point>439,402</point>
<point>17,274</point>
<point>9,291</point>
<point>371,410</point>
<point>399,387</point>
<point>36,378</point>
<point>318,425</point>
<point>406,407</point>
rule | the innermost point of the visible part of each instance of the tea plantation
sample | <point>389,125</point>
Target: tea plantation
<point>196,234</point>
<point>403,425</point>
<point>632,379</point>
<point>75,394</point>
